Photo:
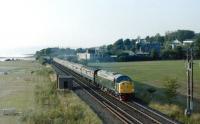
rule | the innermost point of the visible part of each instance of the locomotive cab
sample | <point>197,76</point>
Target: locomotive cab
<point>124,86</point>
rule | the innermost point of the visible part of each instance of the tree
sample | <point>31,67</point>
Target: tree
<point>110,47</point>
<point>172,54</point>
<point>181,35</point>
<point>170,36</point>
<point>147,38</point>
<point>179,52</point>
<point>154,54</point>
<point>133,42</point>
<point>171,87</point>
<point>127,44</point>
<point>159,38</point>
<point>197,47</point>
<point>184,35</point>
<point>80,50</point>
<point>119,45</point>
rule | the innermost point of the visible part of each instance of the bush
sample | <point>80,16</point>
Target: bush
<point>171,86</point>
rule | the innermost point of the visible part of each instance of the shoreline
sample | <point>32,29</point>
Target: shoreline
<point>2,59</point>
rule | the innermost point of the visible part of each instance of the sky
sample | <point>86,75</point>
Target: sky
<point>29,25</point>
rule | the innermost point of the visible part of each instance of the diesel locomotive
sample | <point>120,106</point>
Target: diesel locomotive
<point>119,85</point>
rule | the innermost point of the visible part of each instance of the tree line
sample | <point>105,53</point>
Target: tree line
<point>123,47</point>
<point>120,47</point>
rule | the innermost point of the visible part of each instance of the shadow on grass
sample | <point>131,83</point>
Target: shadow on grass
<point>143,91</point>
<point>148,94</point>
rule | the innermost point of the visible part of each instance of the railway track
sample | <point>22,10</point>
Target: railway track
<point>127,112</point>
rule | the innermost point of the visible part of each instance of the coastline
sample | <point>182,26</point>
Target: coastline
<point>18,58</point>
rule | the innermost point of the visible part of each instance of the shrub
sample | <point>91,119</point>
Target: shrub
<point>171,86</point>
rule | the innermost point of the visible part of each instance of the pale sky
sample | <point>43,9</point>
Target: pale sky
<point>26,25</point>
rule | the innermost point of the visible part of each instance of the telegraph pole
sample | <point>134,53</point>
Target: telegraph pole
<point>188,110</point>
<point>191,80</point>
<point>86,58</point>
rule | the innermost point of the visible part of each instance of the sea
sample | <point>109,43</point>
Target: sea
<point>22,57</point>
<point>18,53</point>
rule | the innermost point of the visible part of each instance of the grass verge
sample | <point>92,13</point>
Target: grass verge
<point>56,107</point>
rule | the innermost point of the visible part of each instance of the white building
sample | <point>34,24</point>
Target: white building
<point>83,56</point>
<point>176,43</point>
<point>187,42</point>
<point>88,55</point>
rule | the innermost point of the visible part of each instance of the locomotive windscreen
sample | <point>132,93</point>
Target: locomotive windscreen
<point>122,78</point>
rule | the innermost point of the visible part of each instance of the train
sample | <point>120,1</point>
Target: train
<point>119,85</point>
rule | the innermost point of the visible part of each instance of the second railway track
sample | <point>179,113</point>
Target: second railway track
<point>127,112</point>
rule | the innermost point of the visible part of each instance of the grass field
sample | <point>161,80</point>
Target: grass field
<point>152,74</point>
<point>17,90</point>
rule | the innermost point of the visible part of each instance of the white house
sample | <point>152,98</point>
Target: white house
<point>188,42</point>
<point>83,56</point>
<point>89,55</point>
<point>176,43</point>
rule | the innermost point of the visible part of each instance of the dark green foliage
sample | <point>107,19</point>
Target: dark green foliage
<point>119,45</point>
<point>80,50</point>
<point>157,38</point>
<point>110,47</point>
<point>166,54</point>
<point>181,35</point>
<point>197,47</point>
<point>184,35</point>
<point>133,48</point>
<point>54,52</point>
<point>177,53</point>
<point>154,54</point>
<point>127,44</point>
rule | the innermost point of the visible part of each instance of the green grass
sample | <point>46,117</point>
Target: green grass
<point>152,74</point>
